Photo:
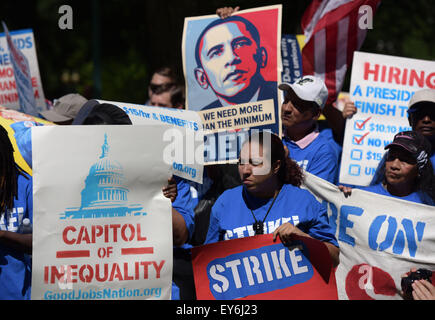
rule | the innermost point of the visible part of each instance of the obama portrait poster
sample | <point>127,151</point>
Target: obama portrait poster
<point>232,67</point>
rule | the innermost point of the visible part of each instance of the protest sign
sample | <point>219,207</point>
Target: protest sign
<point>20,81</point>
<point>18,125</point>
<point>381,87</point>
<point>291,46</point>
<point>232,67</point>
<point>258,268</point>
<point>102,228</point>
<point>185,152</point>
<point>380,239</point>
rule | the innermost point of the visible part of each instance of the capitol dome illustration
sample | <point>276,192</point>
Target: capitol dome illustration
<point>104,194</point>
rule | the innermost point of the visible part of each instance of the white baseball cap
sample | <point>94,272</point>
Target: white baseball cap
<point>308,89</point>
<point>420,98</point>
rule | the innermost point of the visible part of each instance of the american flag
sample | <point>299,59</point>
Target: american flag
<point>332,33</point>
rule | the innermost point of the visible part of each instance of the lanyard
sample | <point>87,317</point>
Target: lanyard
<point>258,226</point>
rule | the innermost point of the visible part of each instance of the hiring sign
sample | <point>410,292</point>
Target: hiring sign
<point>381,87</point>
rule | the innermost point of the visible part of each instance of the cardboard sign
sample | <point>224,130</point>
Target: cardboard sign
<point>381,87</point>
<point>102,227</point>
<point>258,268</point>
<point>380,239</point>
<point>25,59</point>
<point>184,139</point>
<point>232,68</point>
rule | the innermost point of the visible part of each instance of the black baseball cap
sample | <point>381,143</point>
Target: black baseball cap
<point>413,142</point>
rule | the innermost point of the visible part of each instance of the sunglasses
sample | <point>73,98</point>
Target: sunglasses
<point>157,88</point>
<point>401,155</point>
<point>423,112</point>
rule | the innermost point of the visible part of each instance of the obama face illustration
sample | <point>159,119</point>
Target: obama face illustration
<point>229,59</point>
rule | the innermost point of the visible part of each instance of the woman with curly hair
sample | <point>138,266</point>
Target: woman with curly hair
<point>269,199</point>
<point>16,212</point>
<point>406,172</point>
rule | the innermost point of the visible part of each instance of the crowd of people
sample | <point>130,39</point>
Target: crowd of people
<point>236,200</point>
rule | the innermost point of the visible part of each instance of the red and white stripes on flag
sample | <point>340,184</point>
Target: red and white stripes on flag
<point>332,34</point>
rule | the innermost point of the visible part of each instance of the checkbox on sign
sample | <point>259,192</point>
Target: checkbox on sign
<point>356,154</point>
<point>358,139</point>
<point>360,125</point>
<point>354,170</point>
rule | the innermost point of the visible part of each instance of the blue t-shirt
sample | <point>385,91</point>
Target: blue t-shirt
<point>432,159</point>
<point>15,267</point>
<point>184,204</point>
<point>231,218</point>
<point>318,158</point>
<point>417,197</point>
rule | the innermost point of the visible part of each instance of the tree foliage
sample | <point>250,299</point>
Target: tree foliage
<point>135,37</point>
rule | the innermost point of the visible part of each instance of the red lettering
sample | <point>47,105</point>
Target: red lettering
<point>394,73</point>
<point>87,278</point>
<point>106,273</point>
<point>158,267</point>
<point>123,235</point>
<point>96,231</point>
<point>116,273</point>
<point>139,236</point>
<point>115,228</point>
<point>368,71</point>
<point>65,232</point>
<point>126,276</point>
<point>83,235</point>
<point>430,80</point>
<point>414,77</point>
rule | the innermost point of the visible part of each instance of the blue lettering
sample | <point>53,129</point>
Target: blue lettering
<point>345,223</point>
<point>394,237</point>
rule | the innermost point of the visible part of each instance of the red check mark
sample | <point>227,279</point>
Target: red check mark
<point>362,124</point>
<point>359,140</point>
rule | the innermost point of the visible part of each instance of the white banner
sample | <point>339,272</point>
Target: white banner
<point>102,227</point>
<point>184,149</point>
<point>25,43</point>
<point>381,87</point>
<point>380,239</point>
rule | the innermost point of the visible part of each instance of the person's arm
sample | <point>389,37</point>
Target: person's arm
<point>337,119</point>
<point>286,230</point>
<point>16,241</point>
<point>180,234</point>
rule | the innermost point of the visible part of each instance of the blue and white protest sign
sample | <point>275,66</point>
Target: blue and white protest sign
<point>381,87</point>
<point>22,87</point>
<point>102,228</point>
<point>380,238</point>
<point>183,140</point>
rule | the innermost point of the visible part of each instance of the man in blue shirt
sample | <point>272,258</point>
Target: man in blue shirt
<point>303,103</point>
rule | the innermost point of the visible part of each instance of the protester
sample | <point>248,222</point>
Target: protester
<point>303,103</point>
<point>169,97</point>
<point>407,173</point>
<point>161,80</point>
<point>421,116</point>
<point>270,200</point>
<point>95,113</point>
<point>16,218</point>
<point>65,109</point>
